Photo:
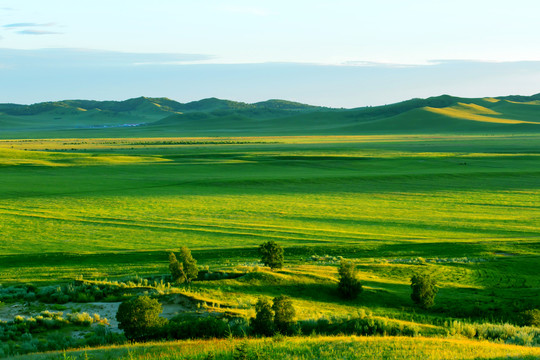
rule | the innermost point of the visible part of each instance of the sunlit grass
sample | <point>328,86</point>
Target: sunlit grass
<point>330,348</point>
<point>474,113</point>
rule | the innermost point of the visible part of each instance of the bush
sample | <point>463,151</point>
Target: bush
<point>531,317</point>
<point>81,319</point>
<point>183,269</point>
<point>424,290</point>
<point>263,323</point>
<point>507,333</point>
<point>357,326</point>
<point>176,269</point>
<point>349,286</point>
<point>139,318</point>
<point>284,314</point>
<point>191,327</point>
<point>272,254</point>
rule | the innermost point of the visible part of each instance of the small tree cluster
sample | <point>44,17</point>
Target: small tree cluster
<point>184,268</point>
<point>424,289</point>
<point>139,318</point>
<point>269,318</point>
<point>271,254</point>
<point>349,286</point>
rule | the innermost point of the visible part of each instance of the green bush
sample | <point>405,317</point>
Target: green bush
<point>349,286</point>
<point>531,317</point>
<point>284,314</point>
<point>424,289</point>
<point>263,323</point>
<point>272,254</point>
<point>198,328</point>
<point>357,326</point>
<point>511,334</point>
<point>139,318</point>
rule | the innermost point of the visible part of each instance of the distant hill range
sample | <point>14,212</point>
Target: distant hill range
<point>145,116</point>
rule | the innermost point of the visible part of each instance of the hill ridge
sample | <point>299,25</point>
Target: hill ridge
<point>218,117</point>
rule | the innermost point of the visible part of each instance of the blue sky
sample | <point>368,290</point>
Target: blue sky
<point>336,53</point>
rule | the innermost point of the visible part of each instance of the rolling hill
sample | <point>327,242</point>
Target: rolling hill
<point>216,117</point>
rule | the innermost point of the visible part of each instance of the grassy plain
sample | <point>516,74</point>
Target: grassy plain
<point>98,190</point>
<point>101,208</point>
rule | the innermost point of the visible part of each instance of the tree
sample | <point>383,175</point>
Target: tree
<point>531,317</point>
<point>424,289</point>
<point>284,314</point>
<point>139,318</point>
<point>183,269</point>
<point>349,286</point>
<point>191,270</point>
<point>263,323</point>
<point>177,269</point>
<point>271,254</point>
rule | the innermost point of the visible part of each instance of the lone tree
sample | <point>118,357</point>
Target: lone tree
<point>263,323</point>
<point>284,314</point>
<point>424,289</point>
<point>183,269</point>
<point>139,318</point>
<point>349,286</point>
<point>271,254</point>
<point>176,268</point>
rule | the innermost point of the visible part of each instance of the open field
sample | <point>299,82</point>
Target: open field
<point>464,208</point>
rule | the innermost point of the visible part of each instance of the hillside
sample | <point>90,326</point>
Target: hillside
<point>215,117</point>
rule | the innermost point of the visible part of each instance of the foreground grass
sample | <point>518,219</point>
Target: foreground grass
<point>305,348</point>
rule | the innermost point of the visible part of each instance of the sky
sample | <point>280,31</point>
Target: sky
<point>336,53</point>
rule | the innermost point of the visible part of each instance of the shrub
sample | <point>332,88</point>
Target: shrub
<point>531,317</point>
<point>139,318</point>
<point>271,254</point>
<point>284,314</point>
<point>176,269</point>
<point>357,326</point>
<point>349,286</point>
<point>263,323</point>
<point>80,319</point>
<point>192,327</point>
<point>183,269</point>
<point>424,289</point>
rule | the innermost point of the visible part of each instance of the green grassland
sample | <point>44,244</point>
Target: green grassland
<point>459,200</point>
<point>387,348</point>
<point>109,208</point>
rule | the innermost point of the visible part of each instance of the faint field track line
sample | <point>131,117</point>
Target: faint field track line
<point>257,230</point>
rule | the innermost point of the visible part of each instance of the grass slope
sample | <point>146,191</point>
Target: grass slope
<point>306,348</point>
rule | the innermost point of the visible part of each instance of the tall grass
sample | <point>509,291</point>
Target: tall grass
<point>307,348</point>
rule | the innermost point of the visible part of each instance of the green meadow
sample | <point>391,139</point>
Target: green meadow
<point>462,206</point>
<point>106,208</point>
<point>324,348</point>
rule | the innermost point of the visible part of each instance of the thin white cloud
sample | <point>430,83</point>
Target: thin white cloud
<point>88,58</point>
<point>246,10</point>
<point>28,24</point>
<point>37,32</point>
<point>385,64</point>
